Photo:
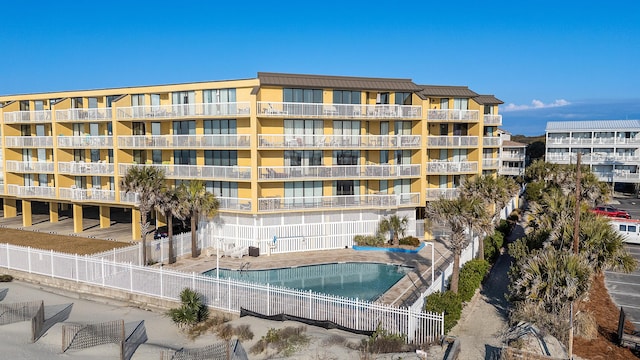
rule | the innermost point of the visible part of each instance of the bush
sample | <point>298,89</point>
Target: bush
<point>6,278</point>
<point>504,227</point>
<point>368,240</point>
<point>382,342</point>
<point>410,241</point>
<point>447,302</point>
<point>471,275</point>
<point>492,245</point>
<point>192,311</point>
<point>286,341</point>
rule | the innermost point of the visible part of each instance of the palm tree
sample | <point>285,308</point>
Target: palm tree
<point>395,225</point>
<point>457,214</point>
<point>197,201</point>
<point>148,182</point>
<point>170,206</point>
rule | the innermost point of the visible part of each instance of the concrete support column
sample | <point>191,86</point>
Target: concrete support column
<point>77,218</point>
<point>136,232</point>
<point>54,215</point>
<point>27,219</point>
<point>105,217</point>
<point>10,208</point>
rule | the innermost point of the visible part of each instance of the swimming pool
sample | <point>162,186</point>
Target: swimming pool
<point>365,281</point>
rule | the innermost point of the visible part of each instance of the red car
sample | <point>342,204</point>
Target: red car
<point>611,212</point>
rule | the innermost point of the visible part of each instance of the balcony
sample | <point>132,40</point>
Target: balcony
<point>452,167</point>
<point>492,120</point>
<point>383,201</point>
<point>441,193</point>
<point>189,111</point>
<point>339,172</point>
<point>491,141</point>
<point>129,197</point>
<point>452,115</point>
<point>512,157</point>
<point>338,111</point>
<point>235,204</point>
<point>593,158</point>
<point>206,172</point>
<point>489,164</point>
<point>31,191</point>
<point>27,117</point>
<point>233,141</point>
<point>29,141</point>
<point>553,141</point>
<point>86,168</point>
<point>339,141</point>
<point>87,194</point>
<point>75,142</point>
<point>83,115</point>
<point>35,167</point>
<point>452,141</point>
<point>511,171</point>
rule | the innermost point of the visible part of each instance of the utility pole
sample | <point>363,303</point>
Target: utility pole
<point>576,244</point>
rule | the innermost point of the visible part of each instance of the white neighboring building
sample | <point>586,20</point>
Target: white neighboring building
<point>611,148</point>
<point>513,155</point>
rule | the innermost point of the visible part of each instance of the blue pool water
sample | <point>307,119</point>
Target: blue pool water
<point>365,281</point>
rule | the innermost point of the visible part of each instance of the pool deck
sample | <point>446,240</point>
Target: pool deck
<point>403,293</point>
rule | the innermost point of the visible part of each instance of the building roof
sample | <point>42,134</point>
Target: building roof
<point>487,100</point>
<point>446,91</point>
<point>509,143</point>
<point>336,82</point>
<point>593,125</point>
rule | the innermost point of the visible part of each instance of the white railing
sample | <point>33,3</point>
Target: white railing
<point>513,171</point>
<point>233,203</point>
<point>28,141</point>
<point>452,167</point>
<point>173,171</point>
<point>29,166</point>
<point>183,110</point>
<point>338,202</point>
<point>453,115</point>
<point>31,191</point>
<point>452,141</point>
<point>129,197</point>
<point>85,141</point>
<point>184,141</point>
<point>339,141</point>
<point>339,171</point>
<point>495,120</point>
<point>97,114</point>
<point>223,294</point>
<point>593,158</point>
<point>553,140</point>
<point>490,163</point>
<point>505,156</point>
<point>291,109</point>
<point>87,194</point>
<point>435,194</point>
<point>86,168</point>
<point>36,116</point>
<point>492,141</point>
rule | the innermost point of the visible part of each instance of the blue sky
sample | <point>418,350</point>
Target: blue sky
<point>547,60</point>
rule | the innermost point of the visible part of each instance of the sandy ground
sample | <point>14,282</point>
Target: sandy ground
<point>162,333</point>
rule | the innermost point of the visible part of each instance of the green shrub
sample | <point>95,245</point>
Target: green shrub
<point>6,278</point>
<point>192,311</point>
<point>504,227</point>
<point>492,245</point>
<point>410,241</point>
<point>383,342</point>
<point>471,275</point>
<point>447,302</point>
<point>368,240</point>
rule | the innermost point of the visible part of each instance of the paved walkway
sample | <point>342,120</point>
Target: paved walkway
<point>485,317</point>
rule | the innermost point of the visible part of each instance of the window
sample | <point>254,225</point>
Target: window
<point>24,105</point>
<point>489,131</point>
<point>302,192</point>
<point>184,157</point>
<point>302,95</point>
<point>403,98</point>
<point>221,157</point>
<point>187,127</point>
<point>444,129</point>
<point>403,157</point>
<point>138,128</point>
<point>460,129</point>
<point>137,100</point>
<point>384,156</point>
<point>184,97</point>
<point>444,104</point>
<point>461,104</point>
<point>347,187</point>
<point>382,98</point>
<point>220,127</point>
<point>139,156</point>
<point>155,101</point>
<point>110,99</point>
<point>402,186</point>
<point>302,158</point>
<point>402,127</point>
<point>156,156</point>
<point>219,96</point>
<point>38,105</point>
<point>76,103</point>
<point>93,103</point>
<point>488,110</point>
<point>346,157</point>
<point>222,188</point>
<point>346,97</point>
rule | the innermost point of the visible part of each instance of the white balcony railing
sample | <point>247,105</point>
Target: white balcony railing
<point>37,167</point>
<point>357,111</point>
<point>512,157</point>
<point>184,141</point>
<point>232,203</point>
<point>129,197</point>
<point>339,141</point>
<point>452,141</point>
<point>87,194</point>
<point>593,158</point>
<point>453,115</point>
<point>102,141</point>
<point>512,171</point>
<point>553,141</point>
<point>493,120</point>
<point>31,191</point>
<point>452,167</point>
<point>183,111</point>
<point>490,163</point>
<point>86,168</point>
<point>441,193</point>
<point>491,141</point>
<point>384,201</point>
<point>28,141</point>
<point>339,171</point>
<point>173,171</point>
<point>99,114</point>
<point>36,116</point>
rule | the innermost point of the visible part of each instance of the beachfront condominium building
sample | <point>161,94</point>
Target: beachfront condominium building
<point>513,155</point>
<point>313,158</point>
<point>611,148</point>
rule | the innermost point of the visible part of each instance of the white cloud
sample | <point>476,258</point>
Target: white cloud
<point>535,104</point>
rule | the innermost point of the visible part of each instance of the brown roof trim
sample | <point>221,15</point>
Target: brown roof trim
<point>336,82</point>
<point>446,91</point>
<point>487,100</point>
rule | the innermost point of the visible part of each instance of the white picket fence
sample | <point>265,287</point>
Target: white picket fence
<point>223,294</point>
